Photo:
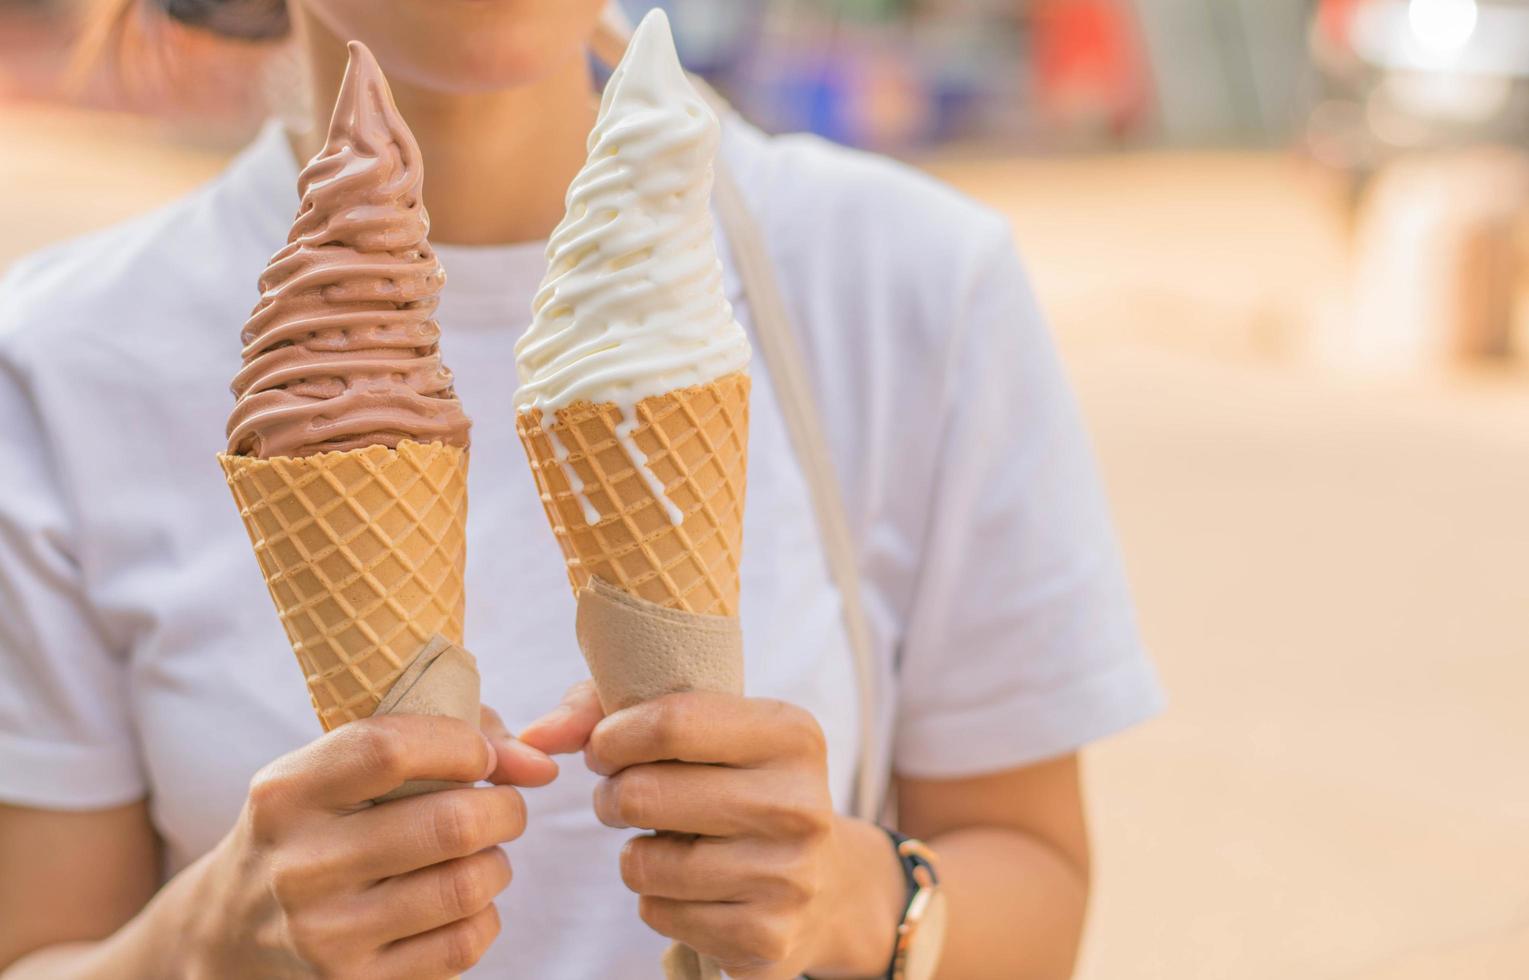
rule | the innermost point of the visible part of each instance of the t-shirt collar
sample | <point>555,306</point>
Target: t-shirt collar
<point>265,176</point>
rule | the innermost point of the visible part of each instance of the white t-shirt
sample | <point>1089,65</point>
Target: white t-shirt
<point>140,654</point>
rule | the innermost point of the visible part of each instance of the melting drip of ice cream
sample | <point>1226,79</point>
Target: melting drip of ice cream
<point>560,453</point>
<point>342,351</point>
<point>624,430</point>
<point>632,305</point>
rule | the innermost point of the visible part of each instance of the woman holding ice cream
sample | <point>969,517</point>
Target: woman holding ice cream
<point>164,807</point>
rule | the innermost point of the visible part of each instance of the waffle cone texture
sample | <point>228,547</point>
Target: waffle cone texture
<point>695,444</point>
<point>364,554</point>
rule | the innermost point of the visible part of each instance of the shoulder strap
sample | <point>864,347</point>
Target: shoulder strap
<point>788,370</point>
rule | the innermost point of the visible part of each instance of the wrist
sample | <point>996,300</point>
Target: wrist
<point>180,929</point>
<point>863,900</point>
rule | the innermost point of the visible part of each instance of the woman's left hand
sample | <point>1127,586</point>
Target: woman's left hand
<point>753,867</point>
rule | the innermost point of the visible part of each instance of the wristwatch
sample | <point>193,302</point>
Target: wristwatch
<point>921,933</point>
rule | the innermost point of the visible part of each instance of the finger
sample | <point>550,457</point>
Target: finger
<point>365,759</point>
<point>718,729</point>
<point>691,869</point>
<point>440,953</point>
<point>405,835</point>
<point>739,935</point>
<point>565,729</point>
<point>517,764</point>
<point>429,898</point>
<point>712,801</point>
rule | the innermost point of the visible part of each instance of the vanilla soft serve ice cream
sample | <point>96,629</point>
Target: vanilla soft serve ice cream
<point>632,305</point>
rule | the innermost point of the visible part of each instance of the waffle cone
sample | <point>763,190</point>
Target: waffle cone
<point>695,446</point>
<point>363,552</point>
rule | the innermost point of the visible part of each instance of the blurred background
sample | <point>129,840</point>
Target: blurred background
<point>1283,243</point>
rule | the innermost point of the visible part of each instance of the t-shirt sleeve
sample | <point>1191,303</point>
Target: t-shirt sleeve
<point>66,741</point>
<point>1020,642</point>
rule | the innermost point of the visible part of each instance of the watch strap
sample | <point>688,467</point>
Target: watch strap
<point>918,874</point>
<point>908,866</point>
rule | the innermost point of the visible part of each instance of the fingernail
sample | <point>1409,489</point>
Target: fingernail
<point>493,758</point>
<point>526,752</point>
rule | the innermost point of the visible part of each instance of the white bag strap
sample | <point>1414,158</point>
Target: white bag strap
<point>788,369</point>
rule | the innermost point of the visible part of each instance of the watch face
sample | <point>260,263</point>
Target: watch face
<point>928,940</point>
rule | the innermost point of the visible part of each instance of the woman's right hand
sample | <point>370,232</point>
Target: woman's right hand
<point>315,881</point>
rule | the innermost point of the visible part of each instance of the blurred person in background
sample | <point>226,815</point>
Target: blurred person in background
<point>1089,71</point>
<point>145,689</point>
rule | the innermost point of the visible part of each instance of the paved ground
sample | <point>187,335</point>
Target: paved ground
<point>1331,582</point>
<point>1330,571</point>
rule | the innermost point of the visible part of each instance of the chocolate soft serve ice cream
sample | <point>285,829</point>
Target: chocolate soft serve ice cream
<point>347,450</point>
<point>342,351</point>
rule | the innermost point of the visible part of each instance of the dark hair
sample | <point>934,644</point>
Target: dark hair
<point>246,20</point>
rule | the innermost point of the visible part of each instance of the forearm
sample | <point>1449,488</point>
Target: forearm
<point>64,961</point>
<point>146,946</point>
<point>1016,905</point>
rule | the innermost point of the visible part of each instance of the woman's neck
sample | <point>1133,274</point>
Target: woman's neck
<point>497,164</point>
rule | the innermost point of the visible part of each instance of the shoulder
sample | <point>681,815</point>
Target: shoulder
<point>881,264</point>
<point>106,282</point>
<point>114,338</point>
<point>61,285</point>
<point>842,210</point>
<point>142,285</point>
<point>901,292</point>
<point>889,274</point>
<point>817,180</point>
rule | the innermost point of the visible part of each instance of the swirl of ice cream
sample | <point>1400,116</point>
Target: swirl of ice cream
<point>632,305</point>
<point>342,351</point>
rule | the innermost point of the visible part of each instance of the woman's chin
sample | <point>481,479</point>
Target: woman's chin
<point>464,46</point>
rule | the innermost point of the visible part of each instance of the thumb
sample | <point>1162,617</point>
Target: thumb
<point>566,728</point>
<point>518,764</point>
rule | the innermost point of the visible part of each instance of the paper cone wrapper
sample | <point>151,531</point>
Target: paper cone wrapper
<point>443,681</point>
<point>683,963</point>
<point>363,552</point>
<point>638,651</point>
<point>692,446</point>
